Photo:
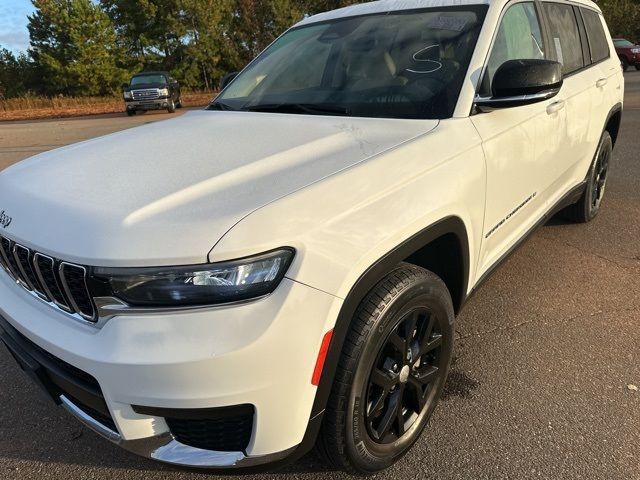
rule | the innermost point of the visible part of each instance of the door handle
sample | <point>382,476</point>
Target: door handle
<point>555,107</point>
<point>601,83</point>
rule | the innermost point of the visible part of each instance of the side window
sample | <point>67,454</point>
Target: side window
<point>518,37</point>
<point>595,32</point>
<point>565,36</point>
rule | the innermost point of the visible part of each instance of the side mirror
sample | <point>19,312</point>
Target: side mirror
<point>227,79</point>
<point>522,82</point>
<point>125,86</point>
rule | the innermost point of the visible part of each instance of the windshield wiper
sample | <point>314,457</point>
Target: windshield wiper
<point>308,108</point>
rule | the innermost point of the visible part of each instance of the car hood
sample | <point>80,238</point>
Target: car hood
<point>165,193</point>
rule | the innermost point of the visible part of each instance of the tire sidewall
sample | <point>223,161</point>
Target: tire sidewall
<point>364,452</point>
<point>590,211</point>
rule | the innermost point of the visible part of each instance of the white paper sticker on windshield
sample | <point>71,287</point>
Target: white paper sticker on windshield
<point>448,23</point>
<point>556,40</point>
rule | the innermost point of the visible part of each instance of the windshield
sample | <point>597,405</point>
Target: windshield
<point>406,64</point>
<point>623,43</point>
<point>147,79</point>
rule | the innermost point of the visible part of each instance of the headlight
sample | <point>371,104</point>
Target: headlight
<point>198,285</point>
<point>127,95</point>
<point>163,92</point>
<point>635,50</point>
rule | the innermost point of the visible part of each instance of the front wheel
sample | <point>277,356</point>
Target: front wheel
<point>586,209</point>
<point>171,107</point>
<point>391,372</point>
<point>637,66</point>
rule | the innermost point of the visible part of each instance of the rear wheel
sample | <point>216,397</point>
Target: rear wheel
<point>586,209</point>
<point>391,372</point>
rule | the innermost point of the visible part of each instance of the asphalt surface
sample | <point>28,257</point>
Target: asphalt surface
<point>545,353</point>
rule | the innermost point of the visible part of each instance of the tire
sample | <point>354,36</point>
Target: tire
<point>625,63</point>
<point>586,209</point>
<point>373,372</point>
<point>637,66</point>
<point>171,108</point>
<point>131,113</point>
<point>179,103</point>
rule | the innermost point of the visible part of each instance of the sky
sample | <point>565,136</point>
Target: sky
<point>13,24</point>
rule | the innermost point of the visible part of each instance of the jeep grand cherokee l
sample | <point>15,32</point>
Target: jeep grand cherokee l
<point>289,273</point>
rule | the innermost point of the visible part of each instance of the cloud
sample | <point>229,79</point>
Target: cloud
<point>13,24</point>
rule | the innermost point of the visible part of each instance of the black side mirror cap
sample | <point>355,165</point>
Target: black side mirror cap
<point>227,79</point>
<point>522,82</point>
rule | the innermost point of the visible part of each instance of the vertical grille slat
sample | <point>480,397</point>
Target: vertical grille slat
<point>14,269</point>
<point>24,257</point>
<point>62,284</point>
<point>46,270</point>
<point>75,286</point>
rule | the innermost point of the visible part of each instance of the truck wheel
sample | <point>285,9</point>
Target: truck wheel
<point>637,66</point>
<point>391,371</point>
<point>131,113</point>
<point>586,209</point>
<point>179,103</point>
<point>625,63</point>
<point>171,107</point>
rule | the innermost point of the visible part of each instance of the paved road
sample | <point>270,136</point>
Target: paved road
<point>545,351</point>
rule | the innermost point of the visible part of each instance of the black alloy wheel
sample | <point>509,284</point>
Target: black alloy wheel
<point>403,376</point>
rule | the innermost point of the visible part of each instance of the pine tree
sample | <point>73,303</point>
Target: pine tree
<point>75,45</point>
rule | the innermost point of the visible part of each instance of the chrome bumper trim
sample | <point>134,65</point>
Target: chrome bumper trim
<point>165,448</point>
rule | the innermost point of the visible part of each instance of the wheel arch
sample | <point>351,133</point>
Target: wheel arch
<point>447,240</point>
<point>614,119</point>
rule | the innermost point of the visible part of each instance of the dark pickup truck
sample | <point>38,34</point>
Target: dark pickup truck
<point>152,91</point>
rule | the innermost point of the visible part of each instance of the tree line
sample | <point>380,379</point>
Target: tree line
<point>91,47</point>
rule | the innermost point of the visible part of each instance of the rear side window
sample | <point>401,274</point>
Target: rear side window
<point>565,36</point>
<point>595,32</point>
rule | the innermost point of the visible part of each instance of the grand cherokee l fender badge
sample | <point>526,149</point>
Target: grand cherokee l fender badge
<point>5,220</point>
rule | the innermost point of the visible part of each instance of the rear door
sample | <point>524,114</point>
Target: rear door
<point>568,47</point>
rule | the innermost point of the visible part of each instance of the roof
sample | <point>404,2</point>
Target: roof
<point>386,6</point>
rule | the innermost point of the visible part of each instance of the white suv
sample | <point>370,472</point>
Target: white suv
<point>289,272</point>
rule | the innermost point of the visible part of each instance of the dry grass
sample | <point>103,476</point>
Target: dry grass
<point>32,107</point>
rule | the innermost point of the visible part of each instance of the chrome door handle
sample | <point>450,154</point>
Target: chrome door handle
<point>601,83</point>
<point>555,107</point>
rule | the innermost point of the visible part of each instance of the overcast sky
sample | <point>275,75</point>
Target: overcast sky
<point>13,24</point>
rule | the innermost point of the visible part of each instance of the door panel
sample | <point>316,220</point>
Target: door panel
<point>520,143</point>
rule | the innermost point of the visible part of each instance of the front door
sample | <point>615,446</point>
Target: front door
<point>519,143</point>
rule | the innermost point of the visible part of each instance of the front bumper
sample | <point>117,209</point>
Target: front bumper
<point>261,353</point>
<point>156,104</point>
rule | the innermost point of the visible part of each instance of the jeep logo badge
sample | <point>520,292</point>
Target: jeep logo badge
<point>5,220</point>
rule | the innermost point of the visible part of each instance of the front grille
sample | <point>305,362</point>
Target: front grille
<point>227,434</point>
<point>148,94</point>
<point>59,283</point>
